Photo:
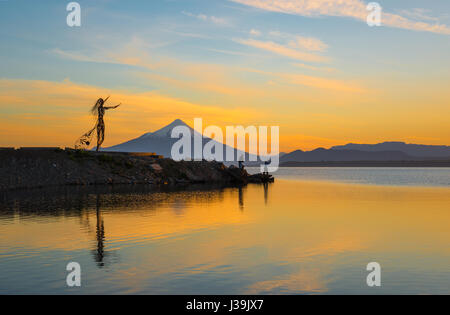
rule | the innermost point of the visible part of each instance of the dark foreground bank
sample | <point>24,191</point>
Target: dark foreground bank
<point>34,168</point>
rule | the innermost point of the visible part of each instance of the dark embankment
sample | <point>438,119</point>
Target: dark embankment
<point>20,169</point>
<point>431,163</point>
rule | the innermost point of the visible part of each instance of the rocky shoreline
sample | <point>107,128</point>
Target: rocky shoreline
<point>37,168</point>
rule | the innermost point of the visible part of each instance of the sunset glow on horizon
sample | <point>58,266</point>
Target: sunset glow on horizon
<point>316,70</point>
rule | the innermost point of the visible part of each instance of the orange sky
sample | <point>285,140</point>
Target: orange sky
<point>324,82</point>
<point>44,113</point>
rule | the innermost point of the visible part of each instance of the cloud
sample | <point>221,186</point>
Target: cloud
<point>308,43</point>
<point>254,32</point>
<point>133,53</point>
<point>301,42</point>
<point>206,18</point>
<point>227,80</point>
<point>191,35</point>
<point>344,8</point>
<point>305,66</point>
<point>36,112</point>
<point>419,14</point>
<point>313,81</point>
<point>231,52</point>
<point>288,45</point>
<point>282,50</point>
<point>78,56</point>
<point>322,83</point>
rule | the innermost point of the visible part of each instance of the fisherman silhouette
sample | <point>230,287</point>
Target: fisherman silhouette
<point>241,162</point>
<point>97,110</point>
<point>266,167</point>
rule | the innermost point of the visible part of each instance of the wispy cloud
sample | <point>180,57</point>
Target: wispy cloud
<point>312,81</point>
<point>285,44</point>
<point>314,68</point>
<point>308,43</point>
<point>133,53</point>
<point>420,14</point>
<point>300,42</point>
<point>191,35</point>
<point>254,32</point>
<point>44,104</point>
<point>288,50</point>
<point>208,18</point>
<point>322,83</point>
<point>344,8</point>
<point>230,52</point>
<point>78,56</point>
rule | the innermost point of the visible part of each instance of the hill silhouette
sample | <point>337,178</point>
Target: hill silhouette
<point>415,150</point>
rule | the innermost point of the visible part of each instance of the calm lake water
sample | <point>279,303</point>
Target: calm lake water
<point>311,232</point>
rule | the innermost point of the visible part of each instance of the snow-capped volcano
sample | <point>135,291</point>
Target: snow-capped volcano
<point>161,142</point>
<point>166,131</point>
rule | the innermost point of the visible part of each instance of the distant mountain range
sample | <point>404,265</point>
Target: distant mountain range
<point>161,143</point>
<point>413,150</point>
<point>319,155</point>
<point>387,151</point>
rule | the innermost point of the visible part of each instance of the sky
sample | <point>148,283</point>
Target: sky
<point>312,67</point>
